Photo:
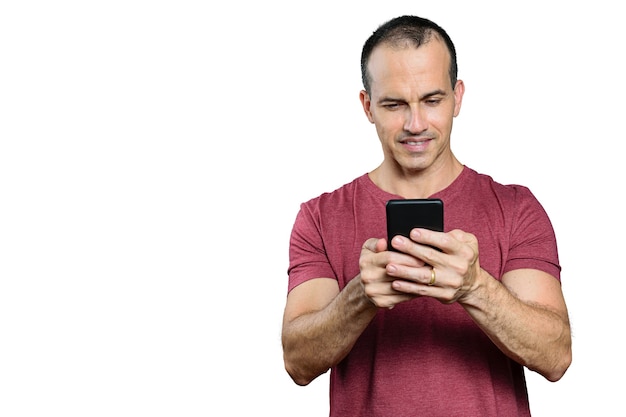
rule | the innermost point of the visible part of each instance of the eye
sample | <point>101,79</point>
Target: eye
<point>391,105</point>
<point>433,101</point>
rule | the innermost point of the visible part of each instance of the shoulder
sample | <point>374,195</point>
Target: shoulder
<point>339,196</point>
<point>485,184</point>
<point>478,196</point>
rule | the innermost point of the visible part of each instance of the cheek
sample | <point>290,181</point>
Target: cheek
<point>382,134</point>
<point>390,125</point>
<point>388,134</point>
<point>442,120</point>
<point>382,125</point>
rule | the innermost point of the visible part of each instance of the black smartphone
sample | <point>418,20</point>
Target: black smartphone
<point>407,214</point>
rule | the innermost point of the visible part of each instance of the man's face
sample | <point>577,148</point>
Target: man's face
<point>412,104</point>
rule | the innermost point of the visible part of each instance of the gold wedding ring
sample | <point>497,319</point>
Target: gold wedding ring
<point>433,277</point>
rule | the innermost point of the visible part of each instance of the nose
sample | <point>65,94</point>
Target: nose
<point>415,121</point>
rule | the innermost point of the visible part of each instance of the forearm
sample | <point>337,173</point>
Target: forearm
<point>316,341</point>
<point>531,334</point>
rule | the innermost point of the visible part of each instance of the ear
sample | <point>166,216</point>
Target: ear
<point>459,90</point>
<point>366,103</point>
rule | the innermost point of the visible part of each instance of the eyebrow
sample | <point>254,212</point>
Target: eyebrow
<point>424,97</point>
<point>434,93</point>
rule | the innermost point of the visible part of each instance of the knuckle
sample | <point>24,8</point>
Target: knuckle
<point>366,279</point>
<point>430,255</point>
<point>362,263</point>
<point>369,293</point>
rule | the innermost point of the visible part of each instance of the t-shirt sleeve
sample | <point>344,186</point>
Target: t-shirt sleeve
<point>533,241</point>
<point>307,255</point>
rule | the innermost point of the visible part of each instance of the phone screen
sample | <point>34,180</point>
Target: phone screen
<point>407,214</point>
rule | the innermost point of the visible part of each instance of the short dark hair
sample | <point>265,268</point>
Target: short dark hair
<point>414,30</point>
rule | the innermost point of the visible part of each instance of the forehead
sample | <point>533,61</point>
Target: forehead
<point>394,69</point>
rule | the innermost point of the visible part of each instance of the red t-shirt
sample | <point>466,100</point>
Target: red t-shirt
<point>424,358</point>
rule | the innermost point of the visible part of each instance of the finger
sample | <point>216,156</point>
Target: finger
<point>383,295</point>
<point>420,275</point>
<point>390,301</point>
<point>438,240</point>
<point>424,253</point>
<point>370,245</point>
<point>381,245</point>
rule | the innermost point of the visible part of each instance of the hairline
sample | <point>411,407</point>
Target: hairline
<point>397,37</point>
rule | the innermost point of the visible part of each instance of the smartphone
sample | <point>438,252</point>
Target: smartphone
<point>407,214</point>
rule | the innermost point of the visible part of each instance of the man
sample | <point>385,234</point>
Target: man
<point>444,325</point>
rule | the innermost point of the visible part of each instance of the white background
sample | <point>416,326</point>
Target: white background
<point>153,155</point>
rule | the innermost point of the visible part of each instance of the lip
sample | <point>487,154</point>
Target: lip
<point>415,144</point>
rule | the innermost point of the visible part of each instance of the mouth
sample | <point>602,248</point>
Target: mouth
<point>416,144</point>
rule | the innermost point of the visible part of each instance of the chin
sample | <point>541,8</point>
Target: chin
<point>415,166</point>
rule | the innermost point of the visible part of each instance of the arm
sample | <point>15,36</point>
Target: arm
<point>524,315</point>
<point>321,323</point>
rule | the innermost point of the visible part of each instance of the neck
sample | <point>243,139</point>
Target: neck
<point>419,183</point>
